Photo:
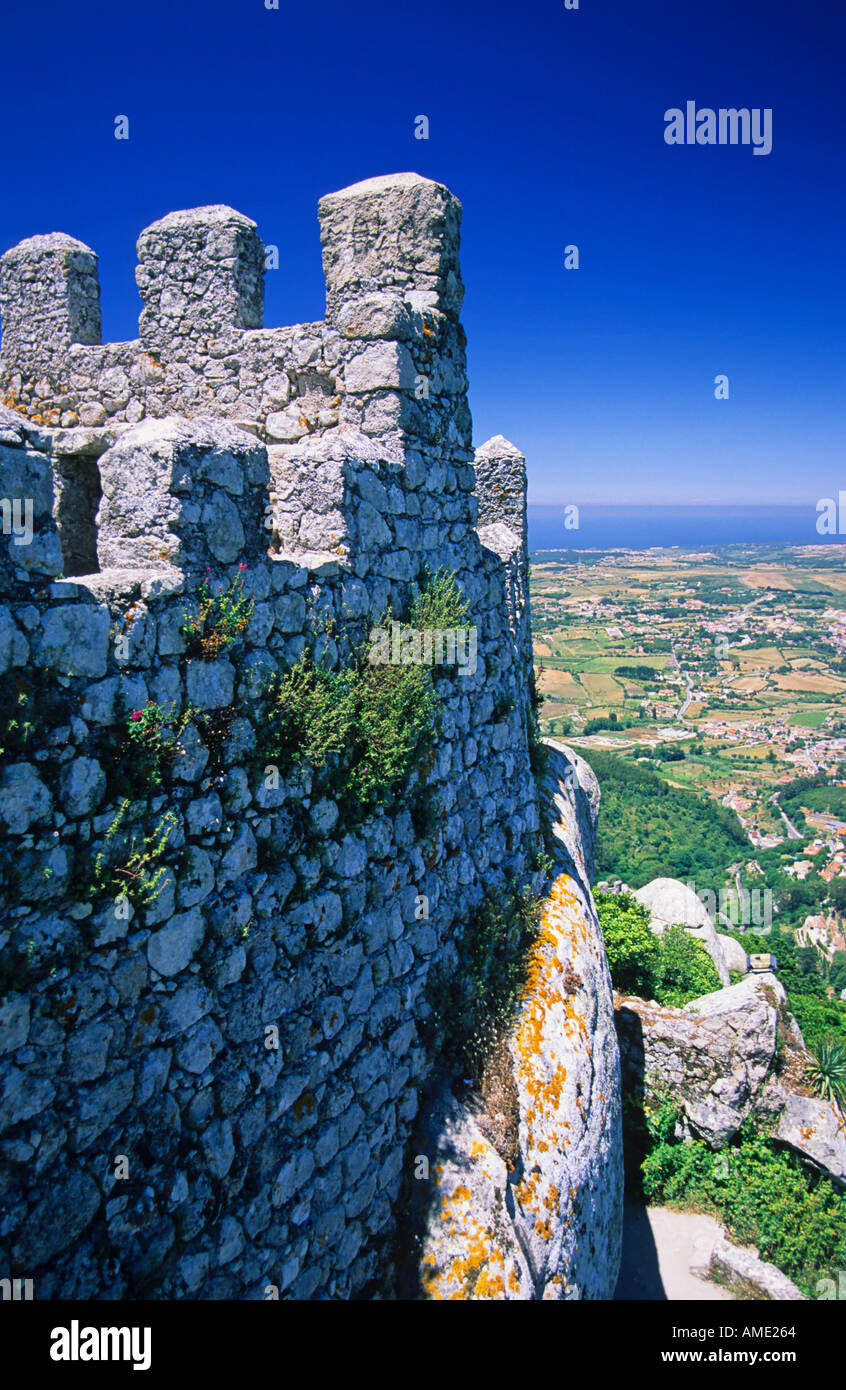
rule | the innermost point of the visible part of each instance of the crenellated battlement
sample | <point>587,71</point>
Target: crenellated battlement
<point>390,253</point>
<point>201,274</point>
<point>364,415</point>
<point>253,1031</point>
<point>397,234</point>
<point>49,299</point>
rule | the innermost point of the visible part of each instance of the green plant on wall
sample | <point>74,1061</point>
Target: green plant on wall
<point>221,618</point>
<point>395,720</point>
<point>538,751</point>
<point>439,603</point>
<point>135,873</point>
<point>151,743</point>
<point>310,713</point>
<point>363,729</point>
<point>16,723</point>
<point>29,706</point>
<point>473,1007</point>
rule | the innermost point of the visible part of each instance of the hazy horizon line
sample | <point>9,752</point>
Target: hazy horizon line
<point>652,506</point>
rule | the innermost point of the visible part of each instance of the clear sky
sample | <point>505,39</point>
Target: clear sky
<point>548,124</point>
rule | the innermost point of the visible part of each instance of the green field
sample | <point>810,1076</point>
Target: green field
<point>809,719</point>
<point>751,639</point>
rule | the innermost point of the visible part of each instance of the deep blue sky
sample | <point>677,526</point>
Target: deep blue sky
<point>548,124</point>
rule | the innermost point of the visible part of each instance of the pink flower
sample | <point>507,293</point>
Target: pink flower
<point>136,715</point>
<point>242,565</point>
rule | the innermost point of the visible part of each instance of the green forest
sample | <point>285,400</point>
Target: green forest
<point>814,793</point>
<point>648,829</point>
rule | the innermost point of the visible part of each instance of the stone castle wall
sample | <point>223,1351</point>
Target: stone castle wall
<point>326,466</point>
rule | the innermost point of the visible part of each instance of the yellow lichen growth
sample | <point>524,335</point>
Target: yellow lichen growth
<point>489,1286</point>
<point>479,1269</point>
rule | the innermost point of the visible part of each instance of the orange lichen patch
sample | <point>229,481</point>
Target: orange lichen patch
<point>549,1011</point>
<point>430,1285</point>
<point>542,994</point>
<point>477,1274</point>
<point>525,1193</point>
<point>461,1194</point>
<point>549,1008</point>
<point>489,1286</point>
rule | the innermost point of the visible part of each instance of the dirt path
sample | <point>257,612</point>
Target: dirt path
<point>660,1247</point>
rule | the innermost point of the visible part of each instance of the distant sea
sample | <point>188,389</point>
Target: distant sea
<point>618,527</point>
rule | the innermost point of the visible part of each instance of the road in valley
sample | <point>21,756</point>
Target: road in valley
<point>792,832</point>
<point>688,683</point>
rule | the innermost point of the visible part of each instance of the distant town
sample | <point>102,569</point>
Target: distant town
<point>723,670</point>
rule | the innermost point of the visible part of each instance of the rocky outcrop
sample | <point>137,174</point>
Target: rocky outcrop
<point>671,903</point>
<point>733,954</point>
<point>717,1057</point>
<point>536,1213</point>
<point>815,1130</point>
<point>713,1055</point>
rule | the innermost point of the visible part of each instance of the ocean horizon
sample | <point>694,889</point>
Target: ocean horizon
<point>687,526</point>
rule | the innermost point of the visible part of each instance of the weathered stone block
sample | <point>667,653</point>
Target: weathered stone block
<point>24,799</point>
<point>160,507</point>
<point>74,640</point>
<point>399,232</point>
<point>170,950</point>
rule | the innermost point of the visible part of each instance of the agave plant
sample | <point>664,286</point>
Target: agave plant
<point>827,1070</point>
